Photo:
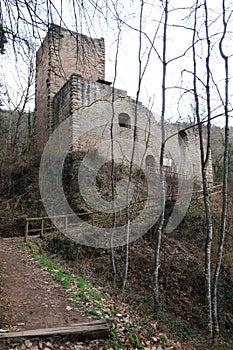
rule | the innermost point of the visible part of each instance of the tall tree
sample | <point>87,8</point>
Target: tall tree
<point>162,152</point>
<point>225,58</point>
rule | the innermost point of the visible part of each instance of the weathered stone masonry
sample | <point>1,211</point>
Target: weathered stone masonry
<point>62,54</point>
<point>70,82</point>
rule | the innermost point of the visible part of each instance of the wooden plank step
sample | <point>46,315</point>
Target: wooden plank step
<point>88,330</point>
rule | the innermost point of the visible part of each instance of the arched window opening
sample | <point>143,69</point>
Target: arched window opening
<point>183,136</point>
<point>150,161</point>
<point>124,120</point>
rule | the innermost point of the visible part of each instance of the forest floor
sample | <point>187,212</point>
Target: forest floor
<point>32,296</point>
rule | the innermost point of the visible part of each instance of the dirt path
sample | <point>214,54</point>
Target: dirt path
<point>30,297</point>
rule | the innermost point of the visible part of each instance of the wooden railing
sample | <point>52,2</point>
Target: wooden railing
<point>96,217</point>
<point>213,190</point>
<point>51,226</point>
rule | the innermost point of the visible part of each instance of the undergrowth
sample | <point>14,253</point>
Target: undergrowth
<point>127,329</point>
<point>93,301</point>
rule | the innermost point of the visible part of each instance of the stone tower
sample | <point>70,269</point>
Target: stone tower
<point>62,54</point>
<point>70,82</point>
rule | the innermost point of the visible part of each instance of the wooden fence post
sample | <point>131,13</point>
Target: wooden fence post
<point>26,231</point>
<point>66,222</point>
<point>42,228</point>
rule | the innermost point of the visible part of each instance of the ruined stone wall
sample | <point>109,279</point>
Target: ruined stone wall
<point>70,83</point>
<point>90,106</point>
<point>62,104</point>
<point>192,145</point>
<point>63,53</point>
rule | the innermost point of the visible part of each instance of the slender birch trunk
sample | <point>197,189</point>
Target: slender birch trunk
<point>162,172</point>
<point>128,214</point>
<point>225,180</point>
<point>205,154</point>
<point>209,236</point>
<point>114,219</point>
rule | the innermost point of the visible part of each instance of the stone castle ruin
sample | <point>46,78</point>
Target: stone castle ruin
<point>70,85</point>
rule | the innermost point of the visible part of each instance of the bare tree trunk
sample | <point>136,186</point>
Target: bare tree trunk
<point>225,180</point>
<point>204,161</point>
<point>128,215</point>
<point>209,237</point>
<point>114,219</point>
<point>162,172</point>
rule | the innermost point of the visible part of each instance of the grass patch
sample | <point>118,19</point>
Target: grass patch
<point>80,292</point>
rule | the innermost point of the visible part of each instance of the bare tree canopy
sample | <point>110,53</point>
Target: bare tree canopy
<point>123,22</point>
